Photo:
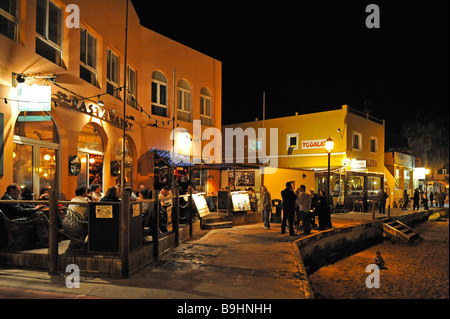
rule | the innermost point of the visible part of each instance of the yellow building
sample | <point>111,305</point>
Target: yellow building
<point>82,70</point>
<point>356,161</point>
<point>401,168</point>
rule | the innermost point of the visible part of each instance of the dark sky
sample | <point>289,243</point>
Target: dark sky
<point>311,56</point>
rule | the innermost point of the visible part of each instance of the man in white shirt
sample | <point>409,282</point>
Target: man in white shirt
<point>304,204</point>
<point>75,222</point>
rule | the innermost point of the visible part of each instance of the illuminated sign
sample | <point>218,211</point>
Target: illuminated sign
<point>419,173</point>
<point>357,165</point>
<point>92,109</point>
<point>34,98</point>
<point>306,145</point>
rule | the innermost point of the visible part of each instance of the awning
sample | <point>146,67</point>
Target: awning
<point>166,156</point>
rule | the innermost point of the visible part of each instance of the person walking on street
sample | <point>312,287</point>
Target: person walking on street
<point>425,200</point>
<point>314,199</point>
<point>416,199</point>
<point>304,204</point>
<point>441,198</point>
<point>323,211</point>
<point>431,199</point>
<point>288,196</point>
<point>382,196</point>
<point>365,203</point>
<point>405,200</point>
<point>266,206</point>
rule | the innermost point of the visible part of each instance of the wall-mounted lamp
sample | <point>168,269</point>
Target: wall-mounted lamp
<point>100,102</point>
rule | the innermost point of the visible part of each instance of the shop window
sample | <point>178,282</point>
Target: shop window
<point>8,19</point>
<point>132,87</point>
<point>128,162</point>
<point>183,101</point>
<point>35,152</point>
<point>357,137</point>
<point>373,185</point>
<point>159,94</point>
<point>88,57</point>
<point>205,107</point>
<point>292,141</point>
<point>49,31</point>
<point>374,144</point>
<point>112,74</point>
<point>91,153</point>
<point>355,185</point>
<point>397,178</point>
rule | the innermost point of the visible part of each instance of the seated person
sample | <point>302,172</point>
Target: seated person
<point>166,208</point>
<point>111,195</point>
<point>147,217</point>
<point>96,190</point>
<point>15,211</point>
<point>75,222</point>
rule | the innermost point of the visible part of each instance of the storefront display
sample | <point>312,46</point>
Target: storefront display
<point>241,201</point>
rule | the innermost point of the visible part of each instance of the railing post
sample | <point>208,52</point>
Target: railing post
<point>389,210</point>
<point>176,215</point>
<point>125,232</point>
<point>190,212</point>
<point>53,234</point>
<point>155,221</point>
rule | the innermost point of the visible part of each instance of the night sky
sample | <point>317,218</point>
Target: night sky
<point>311,56</point>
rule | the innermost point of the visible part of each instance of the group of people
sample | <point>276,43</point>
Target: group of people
<point>421,197</point>
<point>30,215</point>
<point>305,205</point>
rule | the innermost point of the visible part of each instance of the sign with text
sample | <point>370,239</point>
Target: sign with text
<point>34,98</point>
<point>358,165</point>
<point>306,145</point>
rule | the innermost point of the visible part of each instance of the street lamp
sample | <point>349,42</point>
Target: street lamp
<point>329,145</point>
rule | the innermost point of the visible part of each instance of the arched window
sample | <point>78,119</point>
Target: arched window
<point>91,153</point>
<point>159,94</point>
<point>36,151</point>
<point>205,107</point>
<point>184,101</point>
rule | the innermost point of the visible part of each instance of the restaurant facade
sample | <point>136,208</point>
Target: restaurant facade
<point>356,161</point>
<point>68,114</point>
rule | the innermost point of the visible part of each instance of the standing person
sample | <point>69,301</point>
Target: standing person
<point>314,199</point>
<point>382,196</point>
<point>323,211</point>
<point>425,200</point>
<point>431,199</point>
<point>266,206</point>
<point>441,198</point>
<point>288,196</point>
<point>304,204</point>
<point>364,200</point>
<point>405,199</point>
<point>416,199</point>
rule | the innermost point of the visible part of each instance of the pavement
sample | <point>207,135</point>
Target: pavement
<point>243,262</point>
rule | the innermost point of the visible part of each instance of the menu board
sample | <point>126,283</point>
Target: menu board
<point>241,201</point>
<point>200,203</point>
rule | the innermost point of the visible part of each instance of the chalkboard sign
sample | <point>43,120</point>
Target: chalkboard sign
<point>104,227</point>
<point>222,200</point>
